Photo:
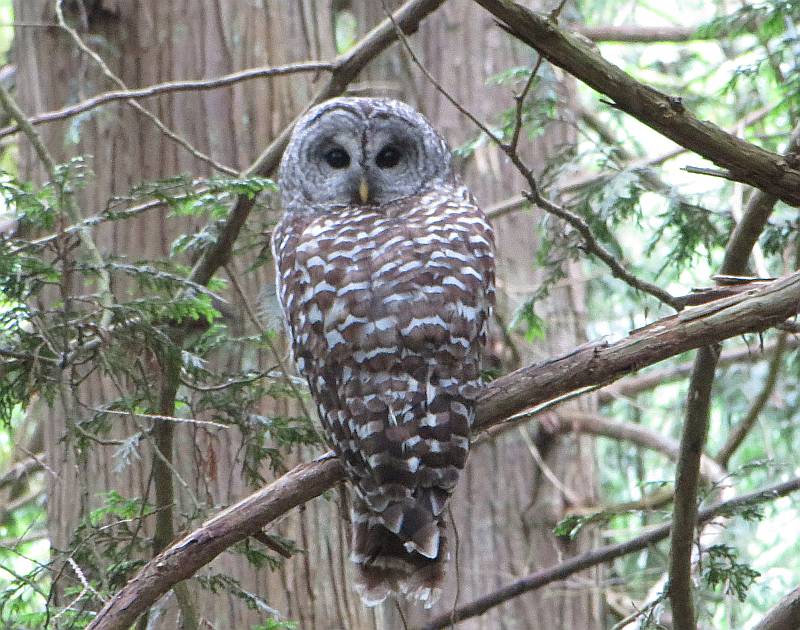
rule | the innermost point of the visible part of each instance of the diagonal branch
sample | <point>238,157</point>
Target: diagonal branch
<point>588,365</point>
<point>345,68</point>
<point>590,243</point>
<point>172,135</point>
<point>601,554</point>
<point>666,114</point>
<point>740,431</point>
<point>785,615</point>
<point>595,424</point>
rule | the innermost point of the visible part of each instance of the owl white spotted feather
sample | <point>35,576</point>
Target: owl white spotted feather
<point>385,274</point>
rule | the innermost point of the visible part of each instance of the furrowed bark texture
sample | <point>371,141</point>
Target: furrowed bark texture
<point>153,42</point>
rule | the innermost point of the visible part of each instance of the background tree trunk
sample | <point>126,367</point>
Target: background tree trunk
<point>504,510</point>
<point>144,43</point>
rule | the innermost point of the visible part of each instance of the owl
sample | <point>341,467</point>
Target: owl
<point>385,275</point>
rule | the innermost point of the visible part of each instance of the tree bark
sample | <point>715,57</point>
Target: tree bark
<point>504,509</point>
<point>145,43</point>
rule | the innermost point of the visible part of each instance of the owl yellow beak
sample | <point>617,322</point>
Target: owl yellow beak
<point>363,190</point>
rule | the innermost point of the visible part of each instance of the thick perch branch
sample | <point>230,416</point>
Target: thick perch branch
<point>589,365</point>
<point>785,615</point>
<point>666,114</point>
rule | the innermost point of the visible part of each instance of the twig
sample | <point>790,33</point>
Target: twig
<point>592,245</point>
<point>574,184</point>
<point>151,416</point>
<point>169,87</point>
<point>67,203</point>
<point>570,495</point>
<point>711,172</point>
<point>296,393</point>
<point>635,34</point>
<point>133,103</point>
<point>740,431</point>
<point>595,424</point>
<point>345,68</point>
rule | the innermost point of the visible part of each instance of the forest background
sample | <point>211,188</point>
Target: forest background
<point>159,462</point>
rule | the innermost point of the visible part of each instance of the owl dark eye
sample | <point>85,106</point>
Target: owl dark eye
<point>337,158</point>
<point>388,157</point>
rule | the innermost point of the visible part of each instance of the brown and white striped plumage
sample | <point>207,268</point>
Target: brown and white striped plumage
<point>385,273</point>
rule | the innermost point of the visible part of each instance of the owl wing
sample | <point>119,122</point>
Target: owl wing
<point>388,312</point>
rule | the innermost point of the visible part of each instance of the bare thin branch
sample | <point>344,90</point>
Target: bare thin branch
<point>133,103</point>
<point>636,34</point>
<point>595,424</point>
<point>591,244</point>
<point>168,88</point>
<point>740,431</point>
<point>598,556</point>
<point>345,68</point>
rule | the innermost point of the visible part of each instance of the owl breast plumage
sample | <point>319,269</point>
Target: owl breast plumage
<point>387,298</point>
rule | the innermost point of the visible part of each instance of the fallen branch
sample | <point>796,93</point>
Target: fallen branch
<point>588,365</point>
<point>602,554</point>
<point>666,114</point>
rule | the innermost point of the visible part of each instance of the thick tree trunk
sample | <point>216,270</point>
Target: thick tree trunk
<point>148,42</point>
<point>505,509</point>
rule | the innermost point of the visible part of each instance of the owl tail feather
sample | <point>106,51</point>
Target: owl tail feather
<point>388,562</point>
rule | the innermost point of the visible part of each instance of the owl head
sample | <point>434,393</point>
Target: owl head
<point>361,151</point>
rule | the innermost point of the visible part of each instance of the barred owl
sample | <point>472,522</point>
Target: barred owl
<point>385,274</point>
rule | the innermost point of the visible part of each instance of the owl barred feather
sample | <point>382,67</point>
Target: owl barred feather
<point>385,273</point>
